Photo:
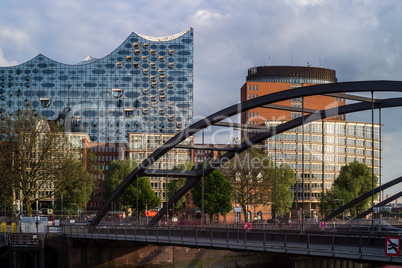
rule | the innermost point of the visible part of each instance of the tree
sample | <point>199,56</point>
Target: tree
<point>176,184</point>
<point>284,196</point>
<point>118,172</point>
<point>252,173</point>
<point>353,181</point>
<point>34,153</point>
<point>75,194</point>
<point>217,194</point>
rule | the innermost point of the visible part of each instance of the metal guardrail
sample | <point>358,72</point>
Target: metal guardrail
<point>24,239</point>
<point>330,244</point>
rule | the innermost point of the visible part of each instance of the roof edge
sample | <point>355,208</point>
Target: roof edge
<point>164,38</point>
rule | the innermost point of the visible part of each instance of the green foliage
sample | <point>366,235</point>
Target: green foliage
<point>284,197</point>
<point>353,181</point>
<point>252,173</point>
<point>176,184</point>
<point>217,194</point>
<point>118,172</point>
<point>35,156</point>
<point>77,192</point>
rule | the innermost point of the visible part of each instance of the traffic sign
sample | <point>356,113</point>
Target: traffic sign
<point>392,246</point>
<point>247,226</point>
<point>323,225</point>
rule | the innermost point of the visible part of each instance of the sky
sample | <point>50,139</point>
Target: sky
<point>360,39</point>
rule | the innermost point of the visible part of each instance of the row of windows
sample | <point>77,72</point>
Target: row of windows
<point>292,80</point>
<point>253,87</point>
<point>252,96</point>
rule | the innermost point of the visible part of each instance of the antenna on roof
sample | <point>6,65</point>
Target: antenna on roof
<point>269,61</point>
<point>319,59</point>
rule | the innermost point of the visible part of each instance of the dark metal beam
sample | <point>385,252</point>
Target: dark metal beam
<point>287,108</point>
<point>349,97</point>
<point>364,86</point>
<point>362,197</point>
<point>386,201</point>
<point>237,125</point>
<point>356,107</point>
<point>170,173</point>
<point>211,148</point>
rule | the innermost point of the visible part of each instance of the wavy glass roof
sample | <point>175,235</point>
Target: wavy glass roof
<point>144,85</point>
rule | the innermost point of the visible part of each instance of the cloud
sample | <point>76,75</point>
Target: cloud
<point>5,62</point>
<point>360,39</point>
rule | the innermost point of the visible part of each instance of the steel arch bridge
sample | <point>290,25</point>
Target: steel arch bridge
<point>266,101</point>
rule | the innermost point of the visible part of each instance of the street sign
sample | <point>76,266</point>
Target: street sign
<point>49,211</point>
<point>323,225</point>
<point>238,209</point>
<point>247,226</point>
<point>120,215</point>
<point>392,244</point>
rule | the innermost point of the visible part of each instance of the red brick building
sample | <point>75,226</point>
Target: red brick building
<point>106,153</point>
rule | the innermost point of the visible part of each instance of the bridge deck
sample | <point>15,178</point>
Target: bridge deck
<point>339,245</point>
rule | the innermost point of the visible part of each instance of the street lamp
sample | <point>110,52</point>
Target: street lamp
<point>343,204</point>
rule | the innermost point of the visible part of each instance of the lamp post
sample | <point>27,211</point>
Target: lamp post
<point>343,212</point>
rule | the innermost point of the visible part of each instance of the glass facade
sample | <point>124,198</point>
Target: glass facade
<point>143,86</point>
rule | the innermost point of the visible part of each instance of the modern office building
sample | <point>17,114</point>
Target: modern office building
<point>144,86</point>
<point>140,146</point>
<point>325,150</point>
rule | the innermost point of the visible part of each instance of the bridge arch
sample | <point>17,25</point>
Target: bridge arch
<point>194,176</point>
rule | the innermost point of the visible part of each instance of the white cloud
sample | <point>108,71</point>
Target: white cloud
<point>4,62</point>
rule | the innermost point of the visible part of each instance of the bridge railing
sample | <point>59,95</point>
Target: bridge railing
<point>225,237</point>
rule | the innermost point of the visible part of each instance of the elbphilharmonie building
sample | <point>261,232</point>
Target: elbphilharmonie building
<point>145,85</point>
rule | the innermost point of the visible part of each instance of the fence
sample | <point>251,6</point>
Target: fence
<point>343,245</point>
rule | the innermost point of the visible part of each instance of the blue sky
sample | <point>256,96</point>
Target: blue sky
<point>360,39</point>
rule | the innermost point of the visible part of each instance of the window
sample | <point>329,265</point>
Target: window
<point>129,112</point>
<point>45,102</point>
<point>119,65</point>
<point>116,92</point>
<point>136,65</point>
<point>171,65</point>
<point>129,58</point>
